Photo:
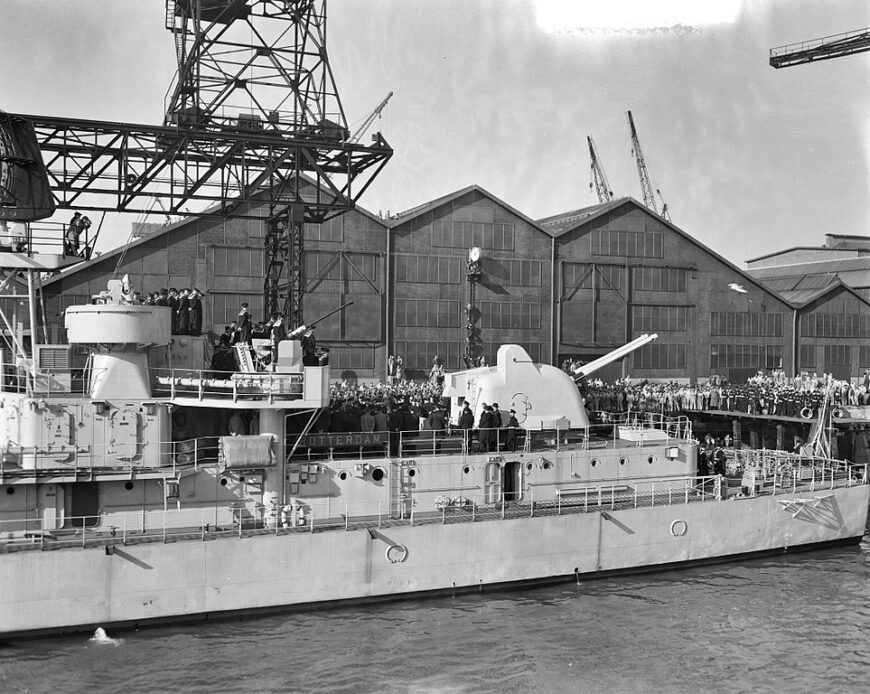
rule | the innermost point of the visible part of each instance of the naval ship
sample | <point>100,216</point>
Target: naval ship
<point>125,501</point>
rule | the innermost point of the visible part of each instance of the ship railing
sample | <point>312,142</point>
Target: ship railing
<point>64,460</point>
<point>676,427</point>
<point>44,383</point>
<point>233,386</point>
<point>238,520</point>
<point>452,441</point>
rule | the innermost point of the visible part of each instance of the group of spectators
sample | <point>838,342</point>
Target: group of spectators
<point>186,305</point>
<point>763,394</point>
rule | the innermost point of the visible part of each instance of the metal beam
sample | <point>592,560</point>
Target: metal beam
<point>826,48</point>
<point>123,167</point>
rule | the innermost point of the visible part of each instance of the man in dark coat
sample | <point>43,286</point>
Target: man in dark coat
<point>195,312</point>
<point>244,321</point>
<point>485,425</point>
<point>172,302</point>
<point>183,312</point>
<point>510,441</point>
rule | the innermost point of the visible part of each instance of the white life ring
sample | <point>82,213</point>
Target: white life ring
<point>679,528</point>
<point>838,413</point>
<point>396,554</point>
<point>807,413</point>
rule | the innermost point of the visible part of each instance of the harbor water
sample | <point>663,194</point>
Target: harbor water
<point>795,623</point>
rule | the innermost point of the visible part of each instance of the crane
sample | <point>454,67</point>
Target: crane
<point>645,185</point>
<point>599,179</point>
<point>361,130</point>
<point>835,46</point>
<point>252,118</point>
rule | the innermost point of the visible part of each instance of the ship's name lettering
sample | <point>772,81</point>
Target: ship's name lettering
<point>376,438</point>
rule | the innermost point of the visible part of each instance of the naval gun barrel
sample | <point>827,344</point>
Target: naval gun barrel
<point>618,353</point>
<point>302,329</point>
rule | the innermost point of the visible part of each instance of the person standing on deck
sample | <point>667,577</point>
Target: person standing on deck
<point>244,321</point>
<point>195,312</point>
<point>183,312</point>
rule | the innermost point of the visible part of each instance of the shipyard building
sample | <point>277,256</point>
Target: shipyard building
<point>570,286</point>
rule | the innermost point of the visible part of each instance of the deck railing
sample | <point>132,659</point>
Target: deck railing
<point>239,521</point>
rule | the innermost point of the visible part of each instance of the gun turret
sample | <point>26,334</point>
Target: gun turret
<point>618,353</point>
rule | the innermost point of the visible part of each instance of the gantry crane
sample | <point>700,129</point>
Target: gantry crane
<point>645,185</point>
<point>835,46</point>
<point>599,179</point>
<point>253,117</point>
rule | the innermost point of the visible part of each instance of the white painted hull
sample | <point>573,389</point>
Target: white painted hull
<point>62,590</point>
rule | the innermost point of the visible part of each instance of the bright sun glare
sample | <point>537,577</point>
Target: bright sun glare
<point>570,15</point>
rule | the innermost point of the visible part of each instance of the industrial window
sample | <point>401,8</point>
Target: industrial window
<point>736,356</point>
<point>342,273</point>
<point>580,276</point>
<point>807,357</point>
<point>233,261</point>
<point>835,325</point>
<point>746,324</point>
<point>453,234</point>
<point>524,273</point>
<point>343,357</point>
<point>225,307</point>
<point>426,313</point>
<point>659,279</point>
<point>659,318</point>
<point>635,244</point>
<point>429,269</point>
<point>660,356</point>
<point>330,230</point>
<point>419,355</point>
<point>864,357</point>
<point>510,315</point>
<point>838,354</point>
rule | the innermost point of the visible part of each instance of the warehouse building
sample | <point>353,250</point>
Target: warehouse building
<point>570,286</point>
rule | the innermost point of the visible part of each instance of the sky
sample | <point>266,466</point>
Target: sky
<point>502,94</point>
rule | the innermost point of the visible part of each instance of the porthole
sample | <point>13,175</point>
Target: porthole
<point>545,465</point>
<point>529,467</point>
<point>623,461</point>
<point>128,486</point>
<point>343,475</point>
<point>10,490</point>
<point>466,470</point>
<point>651,459</point>
<point>224,481</point>
<point>594,462</point>
<point>412,472</point>
<point>378,474</point>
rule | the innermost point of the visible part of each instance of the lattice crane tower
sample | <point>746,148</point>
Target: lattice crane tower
<point>253,117</point>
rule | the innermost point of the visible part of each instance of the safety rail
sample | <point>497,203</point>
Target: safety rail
<point>48,238</point>
<point>234,386</point>
<point>178,456</point>
<point>452,441</point>
<point>237,521</point>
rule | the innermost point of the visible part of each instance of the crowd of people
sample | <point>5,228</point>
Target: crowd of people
<point>763,394</point>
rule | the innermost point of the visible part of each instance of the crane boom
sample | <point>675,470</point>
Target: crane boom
<point>835,46</point>
<point>645,186</point>
<point>599,179</point>
<point>361,130</point>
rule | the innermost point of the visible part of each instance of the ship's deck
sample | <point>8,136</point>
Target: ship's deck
<point>795,496</point>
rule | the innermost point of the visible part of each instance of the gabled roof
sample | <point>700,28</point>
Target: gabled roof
<point>816,267</point>
<point>558,224</point>
<point>212,210</point>
<point>800,298</point>
<point>414,212</point>
<point>598,210</point>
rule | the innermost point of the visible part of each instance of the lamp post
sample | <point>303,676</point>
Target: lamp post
<point>473,343</point>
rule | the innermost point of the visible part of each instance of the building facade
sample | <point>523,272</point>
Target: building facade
<point>574,285</point>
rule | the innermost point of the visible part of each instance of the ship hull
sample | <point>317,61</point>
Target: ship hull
<point>77,589</point>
